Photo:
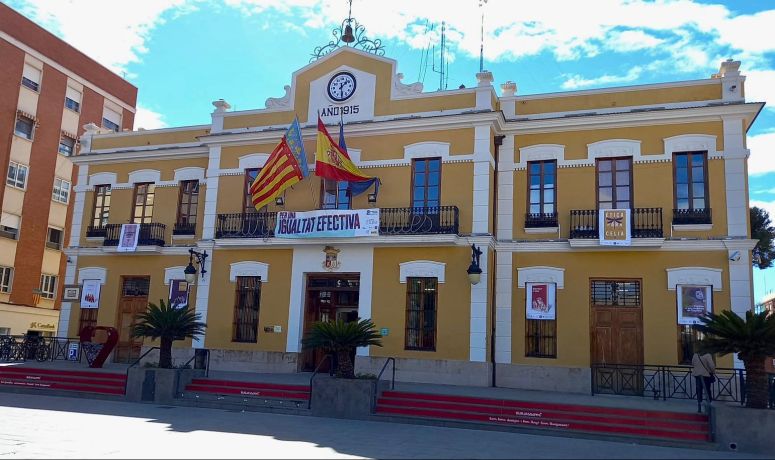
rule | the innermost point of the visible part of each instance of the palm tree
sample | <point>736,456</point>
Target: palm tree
<point>342,338</point>
<point>168,323</point>
<point>753,339</point>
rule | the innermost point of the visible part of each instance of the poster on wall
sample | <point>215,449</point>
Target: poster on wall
<point>90,294</point>
<point>614,225</point>
<point>541,303</point>
<point>128,240</point>
<point>179,293</point>
<point>693,303</point>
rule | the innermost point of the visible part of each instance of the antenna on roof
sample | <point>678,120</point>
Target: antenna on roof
<point>481,40</point>
<point>443,68</point>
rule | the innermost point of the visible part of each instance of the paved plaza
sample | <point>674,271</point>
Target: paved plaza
<point>33,426</point>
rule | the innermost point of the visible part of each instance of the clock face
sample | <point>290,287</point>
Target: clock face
<point>341,86</point>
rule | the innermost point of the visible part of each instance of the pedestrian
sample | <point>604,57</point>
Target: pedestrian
<point>703,369</point>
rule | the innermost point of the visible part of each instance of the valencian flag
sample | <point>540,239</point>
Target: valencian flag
<point>331,162</point>
<point>356,188</point>
<point>293,136</point>
<point>282,169</point>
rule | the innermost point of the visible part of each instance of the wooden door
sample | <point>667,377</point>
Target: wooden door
<point>133,301</point>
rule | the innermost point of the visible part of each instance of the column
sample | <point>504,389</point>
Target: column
<point>481,194</point>
<point>478,334</point>
<point>82,184</point>
<point>504,282</point>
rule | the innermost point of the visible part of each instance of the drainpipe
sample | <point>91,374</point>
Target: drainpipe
<point>493,270</point>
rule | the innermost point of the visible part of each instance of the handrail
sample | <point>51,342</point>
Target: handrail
<point>314,373</point>
<point>379,376</point>
<point>126,380</point>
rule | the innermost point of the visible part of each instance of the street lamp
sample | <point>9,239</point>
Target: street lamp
<point>190,270</point>
<point>474,271</point>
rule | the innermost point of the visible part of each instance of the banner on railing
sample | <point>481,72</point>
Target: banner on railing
<point>327,223</point>
<point>90,294</point>
<point>127,242</point>
<point>541,301</point>
<point>693,302</point>
<point>614,227</point>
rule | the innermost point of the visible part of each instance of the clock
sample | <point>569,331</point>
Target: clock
<point>341,86</point>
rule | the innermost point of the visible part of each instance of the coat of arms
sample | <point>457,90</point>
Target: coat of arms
<point>331,262</point>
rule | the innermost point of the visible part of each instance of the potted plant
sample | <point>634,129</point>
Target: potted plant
<point>341,339</point>
<point>753,339</point>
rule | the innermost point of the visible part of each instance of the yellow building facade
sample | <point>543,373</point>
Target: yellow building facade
<point>528,180</point>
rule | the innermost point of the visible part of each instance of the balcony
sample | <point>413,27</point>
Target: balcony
<point>691,216</point>
<point>645,223</point>
<point>150,234</point>
<point>96,231</point>
<point>541,220</point>
<point>392,221</point>
<point>188,229</point>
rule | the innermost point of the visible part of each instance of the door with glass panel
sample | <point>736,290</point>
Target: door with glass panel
<point>426,195</point>
<point>614,183</point>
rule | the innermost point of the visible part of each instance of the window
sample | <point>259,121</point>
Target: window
<point>691,188</point>
<point>17,175</point>
<point>426,182</point>
<point>614,179</point>
<point>48,285</point>
<point>31,77</point>
<point>142,213</point>
<point>188,201</point>
<point>9,226</point>
<point>250,176</point>
<point>24,126</point>
<point>688,341</point>
<point>54,238</point>
<point>5,331</point>
<point>66,145</point>
<point>111,120</point>
<point>421,301</point>
<point>73,99</point>
<point>6,279</point>
<point>541,194</point>
<point>620,293</point>
<point>246,308</point>
<point>101,205</point>
<point>541,338</point>
<point>61,191</point>
<point>335,194</point>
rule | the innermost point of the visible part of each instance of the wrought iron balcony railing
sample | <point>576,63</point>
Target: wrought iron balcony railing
<point>392,221</point>
<point>184,229</point>
<point>150,234</point>
<point>645,223</point>
<point>96,231</point>
<point>541,220</point>
<point>691,216</point>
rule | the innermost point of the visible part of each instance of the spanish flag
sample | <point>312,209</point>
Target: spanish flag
<point>331,162</point>
<point>280,172</point>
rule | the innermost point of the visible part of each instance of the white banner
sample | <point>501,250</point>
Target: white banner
<point>693,303</point>
<point>541,301</point>
<point>614,227</point>
<point>90,294</point>
<point>127,242</point>
<point>344,223</point>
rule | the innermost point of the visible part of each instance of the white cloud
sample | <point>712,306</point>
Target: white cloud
<point>760,87</point>
<point>762,159</point>
<point>632,40</point>
<point>112,32</point>
<point>577,81</point>
<point>148,119</point>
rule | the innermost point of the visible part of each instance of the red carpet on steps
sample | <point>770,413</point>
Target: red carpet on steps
<point>652,424</point>
<point>263,390</point>
<point>82,381</point>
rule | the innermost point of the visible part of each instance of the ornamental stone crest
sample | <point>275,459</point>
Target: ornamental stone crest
<point>331,261</point>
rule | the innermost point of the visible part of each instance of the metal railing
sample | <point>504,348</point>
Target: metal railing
<point>691,216</point>
<point>246,225</point>
<point>419,221</point>
<point>96,231</point>
<point>541,220</point>
<point>150,234</point>
<point>379,377</point>
<point>184,229</point>
<point>39,348</point>
<point>644,223</point>
<point>328,357</point>
<point>668,382</point>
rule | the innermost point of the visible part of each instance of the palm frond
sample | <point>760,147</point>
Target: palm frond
<point>729,333</point>
<point>335,336</point>
<point>164,320</point>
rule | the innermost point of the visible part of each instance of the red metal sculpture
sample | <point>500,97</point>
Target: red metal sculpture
<point>97,353</point>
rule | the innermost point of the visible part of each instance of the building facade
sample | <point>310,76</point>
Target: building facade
<point>605,218</point>
<point>48,91</point>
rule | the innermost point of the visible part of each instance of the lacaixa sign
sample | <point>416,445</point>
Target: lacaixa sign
<point>614,227</point>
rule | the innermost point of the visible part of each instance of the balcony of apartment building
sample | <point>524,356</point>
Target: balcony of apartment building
<point>149,234</point>
<point>644,223</point>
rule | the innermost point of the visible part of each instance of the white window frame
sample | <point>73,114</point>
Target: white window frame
<point>6,218</point>
<point>14,181</point>
<point>54,245</point>
<point>60,193</point>
<point>5,287</point>
<point>34,75</point>
<point>48,282</point>
<point>76,99</point>
<point>72,149</point>
<point>32,128</point>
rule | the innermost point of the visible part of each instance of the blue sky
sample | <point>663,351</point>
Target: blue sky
<point>183,54</point>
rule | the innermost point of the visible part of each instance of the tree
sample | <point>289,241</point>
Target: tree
<point>342,338</point>
<point>763,254</point>
<point>167,323</point>
<point>753,339</point>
